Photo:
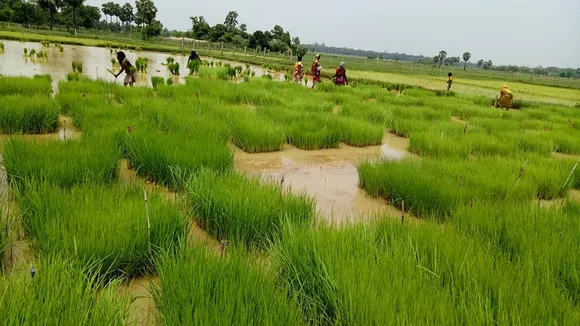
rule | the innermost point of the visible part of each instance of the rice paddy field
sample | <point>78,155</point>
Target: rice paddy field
<point>213,195</point>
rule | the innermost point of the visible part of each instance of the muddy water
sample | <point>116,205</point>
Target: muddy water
<point>329,176</point>
<point>95,61</point>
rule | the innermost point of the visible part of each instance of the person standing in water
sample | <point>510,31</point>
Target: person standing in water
<point>315,70</point>
<point>340,76</point>
<point>127,67</point>
<point>449,81</point>
<point>193,56</point>
<point>298,71</point>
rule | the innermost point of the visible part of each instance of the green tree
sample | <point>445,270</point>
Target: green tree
<point>200,28</point>
<point>146,12</point>
<point>24,12</point>
<point>442,56</point>
<point>243,28</point>
<point>126,15</point>
<point>75,5</point>
<point>107,9</point>
<point>231,21</point>
<point>487,64</point>
<point>436,60</point>
<point>480,63</point>
<point>153,29</point>
<point>116,11</point>
<point>466,57</point>
<point>52,7</point>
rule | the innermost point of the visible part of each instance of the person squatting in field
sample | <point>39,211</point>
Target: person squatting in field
<point>315,70</point>
<point>298,71</point>
<point>127,67</point>
<point>449,81</point>
<point>340,75</point>
<point>505,98</point>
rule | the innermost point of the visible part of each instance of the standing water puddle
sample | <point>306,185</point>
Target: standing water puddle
<point>95,61</point>
<point>329,176</point>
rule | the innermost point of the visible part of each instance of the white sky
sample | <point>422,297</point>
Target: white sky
<point>522,32</point>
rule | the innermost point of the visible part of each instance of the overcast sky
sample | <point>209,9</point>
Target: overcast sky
<point>522,32</point>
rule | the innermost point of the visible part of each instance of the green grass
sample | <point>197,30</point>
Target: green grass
<point>60,294</point>
<point>393,273</point>
<point>28,115</point>
<point>171,158</point>
<point>244,210</point>
<point>255,134</point>
<point>25,86</point>
<point>101,226</point>
<point>64,164</point>
<point>201,288</point>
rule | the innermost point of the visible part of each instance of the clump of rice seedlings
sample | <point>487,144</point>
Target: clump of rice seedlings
<point>565,142</point>
<point>400,269</point>
<point>77,66</point>
<point>169,81</point>
<point>358,133</point>
<point>28,115</point>
<point>254,134</point>
<point>45,43</point>
<point>25,86</point>
<point>73,77</point>
<point>193,67</point>
<point>157,81</point>
<point>64,164</point>
<point>141,64</point>
<point>1,46</point>
<point>42,55</point>
<point>108,227</point>
<point>114,62</point>
<point>166,158</point>
<point>169,61</point>
<point>244,210</point>
<point>32,53</point>
<point>25,52</point>
<point>314,131</point>
<point>60,294</point>
<point>173,68</point>
<point>197,288</point>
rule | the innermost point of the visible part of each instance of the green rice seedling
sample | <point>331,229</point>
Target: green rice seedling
<point>244,210</point>
<point>77,66</point>
<point>167,158</point>
<point>64,164</point>
<point>28,115</point>
<point>358,133</point>
<point>174,68</point>
<point>45,43</point>
<point>193,67</point>
<point>169,81</point>
<point>254,134</point>
<point>45,77</point>
<point>25,86</point>
<point>169,61</point>
<point>565,142</point>
<point>108,227</point>
<point>141,64</point>
<point>60,294</point>
<point>114,62</point>
<point>157,81</point>
<point>25,52</point>
<point>32,53</point>
<point>400,269</point>
<point>201,288</point>
<point>1,46</point>
<point>74,77</point>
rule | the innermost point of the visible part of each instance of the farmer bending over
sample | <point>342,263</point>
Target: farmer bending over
<point>127,67</point>
<point>193,56</point>
<point>315,70</point>
<point>505,98</point>
<point>340,76</point>
<point>298,71</point>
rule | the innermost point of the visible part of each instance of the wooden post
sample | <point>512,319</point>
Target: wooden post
<point>147,214</point>
<point>403,210</point>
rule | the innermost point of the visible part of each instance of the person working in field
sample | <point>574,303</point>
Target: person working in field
<point>298,71</point>
<point>315,70</point>
<point>193,56</point>
<point>505,98</point>
<point>127,67</point>
<point>449,81</point>
<point>340,75</point>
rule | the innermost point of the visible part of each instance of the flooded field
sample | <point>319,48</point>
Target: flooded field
<point>96,62</point>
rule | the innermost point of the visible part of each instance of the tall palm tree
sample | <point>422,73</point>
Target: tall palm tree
<point>75,4</point>
<point>442,56</point>
<point>466,57</point>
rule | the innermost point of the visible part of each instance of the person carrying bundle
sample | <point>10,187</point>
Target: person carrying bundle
<point>505,98</point>
<point>340,75</point>
<point>127,67</point>
<point>298,71</point>
<point>315,70</point>
<point>449,81</point>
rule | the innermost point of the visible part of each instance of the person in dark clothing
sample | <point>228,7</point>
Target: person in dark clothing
<point>127,67</point>
<point>193,56</point>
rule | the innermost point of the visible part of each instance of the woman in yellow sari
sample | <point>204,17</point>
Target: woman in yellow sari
<point>505,98</point>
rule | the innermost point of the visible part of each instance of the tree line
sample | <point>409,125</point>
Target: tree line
<point>74,13</point>
<point>231,31</point>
